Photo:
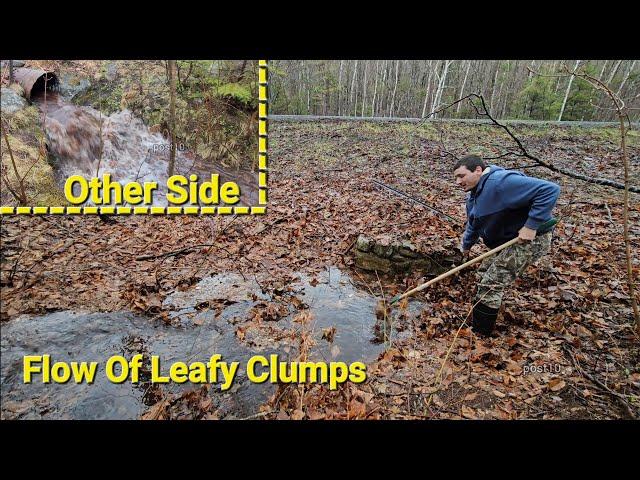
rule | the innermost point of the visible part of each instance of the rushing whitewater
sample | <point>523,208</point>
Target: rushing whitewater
<point>85,142</point>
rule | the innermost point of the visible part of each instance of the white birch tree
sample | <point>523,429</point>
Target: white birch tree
<point>566,95</point>
<point>395,88</point>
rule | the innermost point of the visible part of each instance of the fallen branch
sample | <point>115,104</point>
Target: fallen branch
<point>175,252</point>
<point>14,269</point>
<point>608,213</point>
<point>256,415</point>
<point>524,152</point>
<point>442,109</point>
<point>213,239</point>
<point>542,163</point>
<point>602,386</point>
<point>402,194</point>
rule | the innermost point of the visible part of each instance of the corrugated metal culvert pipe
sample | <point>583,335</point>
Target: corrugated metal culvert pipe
<point>35,80</point>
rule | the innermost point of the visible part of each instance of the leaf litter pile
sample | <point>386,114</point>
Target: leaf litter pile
<point>565,346</point>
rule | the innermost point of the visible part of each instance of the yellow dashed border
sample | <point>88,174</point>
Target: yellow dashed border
<point>263,127</point>
<point>260,209</point>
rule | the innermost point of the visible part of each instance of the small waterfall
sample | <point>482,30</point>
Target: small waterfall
<point>85,142</point>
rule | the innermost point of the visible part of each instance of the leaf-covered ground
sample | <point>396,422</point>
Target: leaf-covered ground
<point>565,347</point>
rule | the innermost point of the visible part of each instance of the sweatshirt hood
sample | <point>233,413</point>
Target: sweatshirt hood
<point>483,179</point>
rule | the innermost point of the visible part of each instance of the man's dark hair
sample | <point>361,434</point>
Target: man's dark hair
<point>471,162</point>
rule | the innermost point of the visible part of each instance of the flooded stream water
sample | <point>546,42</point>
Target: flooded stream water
<point>199,331</point>
<point>82,141</point>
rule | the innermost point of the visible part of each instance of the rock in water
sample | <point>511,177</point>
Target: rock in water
<point>70,85</point>
<point>11,101</point>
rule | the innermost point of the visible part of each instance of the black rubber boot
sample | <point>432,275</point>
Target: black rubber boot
<point>484,319</point>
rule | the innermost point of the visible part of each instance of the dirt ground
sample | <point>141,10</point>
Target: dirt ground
<point>565,348</point>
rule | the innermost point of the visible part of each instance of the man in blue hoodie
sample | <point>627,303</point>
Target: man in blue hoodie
<point>502,205</point>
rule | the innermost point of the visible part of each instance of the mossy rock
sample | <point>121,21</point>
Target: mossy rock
<point>382,250</point>
<point>12,102</point>
<point>103,95</point>
<point>370,262</point>
<point>71,85</point>
<point>363,244</point>
<point>26,138</point>
<point>16,87</point>
<point>396,257</point>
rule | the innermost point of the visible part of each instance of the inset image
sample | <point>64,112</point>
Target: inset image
<point>137,121</point>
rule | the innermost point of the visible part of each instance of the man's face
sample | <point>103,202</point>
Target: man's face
<point>466,178</point>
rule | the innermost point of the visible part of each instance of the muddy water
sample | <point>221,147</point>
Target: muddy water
<point>205,319</point>
<point>333,299</point>
<point>337,301</point>
<point>84,142</point>
<point>68,336</point>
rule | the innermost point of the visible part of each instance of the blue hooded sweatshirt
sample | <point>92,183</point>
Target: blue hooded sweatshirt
<point>503,202</point>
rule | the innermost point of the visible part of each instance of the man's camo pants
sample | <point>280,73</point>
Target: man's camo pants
<point>499,271</point>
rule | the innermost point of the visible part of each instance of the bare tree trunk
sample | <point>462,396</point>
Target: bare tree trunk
<point>353,82</point>
<point>308,92</point>
<point>395,88</point>
<point>325,100</point>
<point>364,90</point>
<point>603,68</point>
<point>355,98</point>
<point>10,72</point>
<point>626,78</point>
<point>441,84</point>
<point>383,86</point>
<point>340,87</point>
<point>554,69</point>
<point>172,115</point>
<point>20,196</point>
<point>493,87</point>
<point>630,281</point>
<point>375,90</point>
<point>499,95</point>
<point>566,95</point>
<point>300,86</point>
<point>613,72</point>
<point>464,83</point>
<point>427,89</point>
<point>240,74</point>
<point>511,88</point>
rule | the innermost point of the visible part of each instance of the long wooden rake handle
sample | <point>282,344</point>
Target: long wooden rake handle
<point>419,288</point>
<point>473,261</point>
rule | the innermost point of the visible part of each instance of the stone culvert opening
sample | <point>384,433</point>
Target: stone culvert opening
<point>385,254</point>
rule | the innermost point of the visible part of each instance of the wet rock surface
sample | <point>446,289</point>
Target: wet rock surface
<point>11,102</point>
<point>16,87</point>
<point>71,85</point>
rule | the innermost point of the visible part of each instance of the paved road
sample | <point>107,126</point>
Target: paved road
<point>315,118</point>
